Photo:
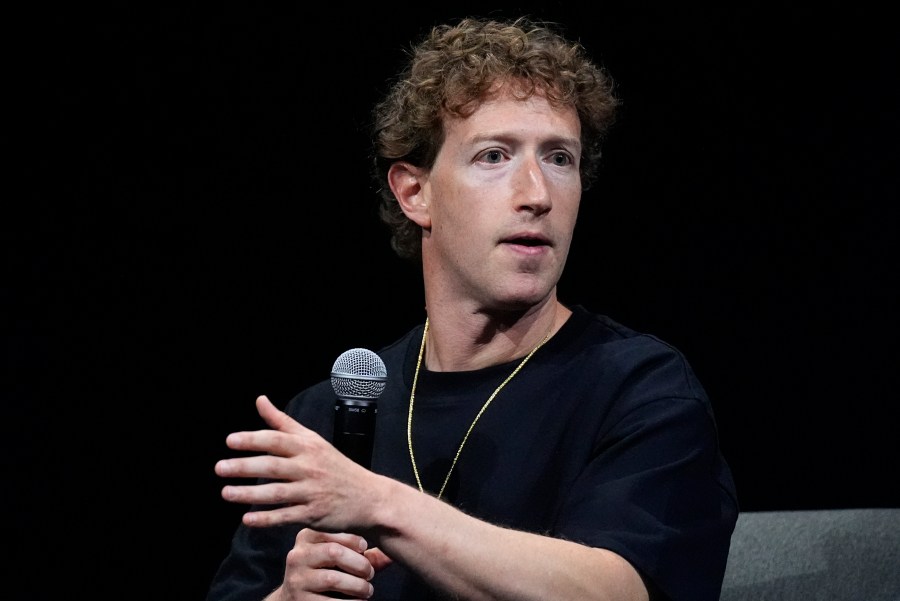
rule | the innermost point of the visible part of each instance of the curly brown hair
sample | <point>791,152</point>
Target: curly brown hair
<point>452,69</point>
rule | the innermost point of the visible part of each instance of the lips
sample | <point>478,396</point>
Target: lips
<point>527,239</point>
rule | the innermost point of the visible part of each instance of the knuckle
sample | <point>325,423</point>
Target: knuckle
<point>281,492</point>
<point>334,551</point>
<point>298,556</point>
<point>330,578</point>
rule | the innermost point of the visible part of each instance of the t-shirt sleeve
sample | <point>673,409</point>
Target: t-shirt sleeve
<point>658,493</point>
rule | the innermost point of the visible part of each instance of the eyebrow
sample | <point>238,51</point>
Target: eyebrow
<point>565,141</point>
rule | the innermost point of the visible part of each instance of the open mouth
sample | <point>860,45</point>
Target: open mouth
<point>527,241</point>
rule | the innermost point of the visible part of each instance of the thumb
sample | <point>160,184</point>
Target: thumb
<point>275,417</point>
<point>377,558</point>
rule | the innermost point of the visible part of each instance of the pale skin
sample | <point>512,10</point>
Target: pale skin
<point>498,211</point>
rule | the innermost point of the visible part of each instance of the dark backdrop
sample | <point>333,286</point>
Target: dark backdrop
<point>195,226</point>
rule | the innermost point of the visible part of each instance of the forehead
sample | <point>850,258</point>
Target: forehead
<point>504,113</point>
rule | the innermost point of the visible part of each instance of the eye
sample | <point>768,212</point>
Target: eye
<point>491,156</point>
<point>561,159</point>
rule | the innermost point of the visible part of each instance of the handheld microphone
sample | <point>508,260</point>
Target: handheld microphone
<point>358,378</point>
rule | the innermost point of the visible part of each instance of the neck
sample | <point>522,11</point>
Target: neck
<point>478,340</point>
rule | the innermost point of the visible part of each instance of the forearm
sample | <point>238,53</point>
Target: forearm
<point>474,560</point>
<point>313,484</point>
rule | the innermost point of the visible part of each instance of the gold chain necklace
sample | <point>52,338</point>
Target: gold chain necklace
<point>412,397</point>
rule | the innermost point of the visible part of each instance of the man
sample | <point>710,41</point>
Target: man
<point>524,448</point>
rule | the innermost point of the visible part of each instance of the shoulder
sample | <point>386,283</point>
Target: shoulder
<point>600,334</point>
<point>634,361</point>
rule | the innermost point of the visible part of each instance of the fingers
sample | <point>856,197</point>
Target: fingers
<point>377,558</point>
<point>265,440</point>
<point>275,417</point>
<point>287,437</point>
<point>341,550</point>
<point>297,474</point>
<point>354,542</point>
<point>280,454</point>
<point>258,466</point>
<point>328,562</point>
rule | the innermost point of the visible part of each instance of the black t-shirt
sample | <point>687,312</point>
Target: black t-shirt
<point>605,437</point>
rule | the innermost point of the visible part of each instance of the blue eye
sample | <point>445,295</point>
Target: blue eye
<point>493,156</point>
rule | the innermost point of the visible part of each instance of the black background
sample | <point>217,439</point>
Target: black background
<point>195,226</point>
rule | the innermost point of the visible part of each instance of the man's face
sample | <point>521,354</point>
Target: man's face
<point>502,201</point>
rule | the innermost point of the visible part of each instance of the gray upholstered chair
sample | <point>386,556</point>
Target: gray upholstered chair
<point>815,555</point>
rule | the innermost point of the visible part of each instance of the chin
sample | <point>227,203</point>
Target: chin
<point>522,302</point>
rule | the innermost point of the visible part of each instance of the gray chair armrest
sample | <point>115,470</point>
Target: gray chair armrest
<point>816,555</point>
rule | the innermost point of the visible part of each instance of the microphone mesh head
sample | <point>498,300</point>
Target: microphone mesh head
<point>358,374</point>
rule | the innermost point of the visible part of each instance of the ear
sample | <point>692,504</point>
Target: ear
<point>408,185</point>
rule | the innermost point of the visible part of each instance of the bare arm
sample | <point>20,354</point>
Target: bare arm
<point>478,560</point>
<point>455,552</point>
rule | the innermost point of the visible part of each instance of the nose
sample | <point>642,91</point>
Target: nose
<point>532,189</point>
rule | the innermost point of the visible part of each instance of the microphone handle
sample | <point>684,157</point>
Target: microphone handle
<point>354,429</point>
<point>354,432</point>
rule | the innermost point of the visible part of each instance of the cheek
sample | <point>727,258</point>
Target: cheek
<point>461,208</point>
<point>566,208</point>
